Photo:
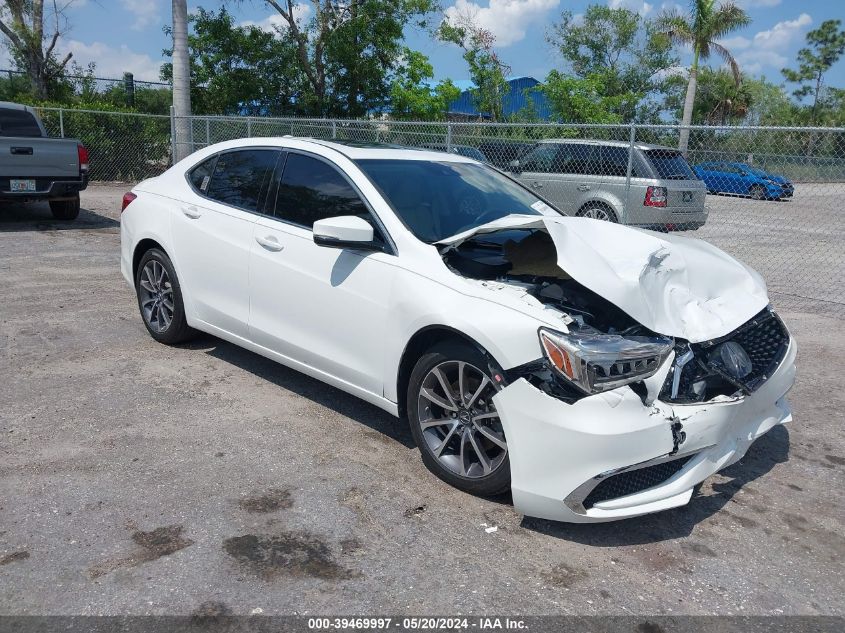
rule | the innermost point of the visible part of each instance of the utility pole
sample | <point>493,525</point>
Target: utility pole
<point>182,144</point>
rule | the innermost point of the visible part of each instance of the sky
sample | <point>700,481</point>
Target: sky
<point>126,35</point>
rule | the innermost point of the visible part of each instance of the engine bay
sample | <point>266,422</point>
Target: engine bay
<point>526,258</point>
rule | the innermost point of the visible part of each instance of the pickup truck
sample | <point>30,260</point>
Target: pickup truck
<point>34,166</point>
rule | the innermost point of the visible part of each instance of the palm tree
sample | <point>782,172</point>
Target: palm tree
<point>181,81</point>
<point>707,22</point>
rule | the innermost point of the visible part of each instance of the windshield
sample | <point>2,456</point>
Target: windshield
<point>436,200</point>
<point>670,164</point>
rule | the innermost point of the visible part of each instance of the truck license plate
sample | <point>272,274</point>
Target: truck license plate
<point>22,185</point>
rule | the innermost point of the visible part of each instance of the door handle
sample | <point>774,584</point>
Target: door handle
<point>270,243</point>
<point>21,151</point>
<point>191,212</point>
<point>583,187</point>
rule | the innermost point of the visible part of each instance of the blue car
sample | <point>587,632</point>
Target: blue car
<point>744,180</point>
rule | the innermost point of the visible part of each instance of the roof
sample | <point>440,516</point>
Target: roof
<point>350,149</point>
<point>8,105</point>
<point>591,141</point>
<point>521,96</point>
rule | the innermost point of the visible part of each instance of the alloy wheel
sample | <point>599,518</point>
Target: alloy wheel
<point>596,213</point>
<point>156,294</point>
<point>458,419</point>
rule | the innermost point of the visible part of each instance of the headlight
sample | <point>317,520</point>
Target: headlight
<point>596,362</point>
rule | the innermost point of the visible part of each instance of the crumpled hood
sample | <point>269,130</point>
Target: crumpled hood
<point>673,285</point>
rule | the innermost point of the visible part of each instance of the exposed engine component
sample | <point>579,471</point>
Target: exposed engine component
<point>731,365</point>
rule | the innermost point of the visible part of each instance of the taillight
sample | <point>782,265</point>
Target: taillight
<point>82,151</point>
<point>128,197</point>
<point>655,197</point>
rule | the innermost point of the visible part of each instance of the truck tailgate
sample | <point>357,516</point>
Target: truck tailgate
<point>24,157</point>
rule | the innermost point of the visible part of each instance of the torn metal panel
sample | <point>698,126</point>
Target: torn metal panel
<point>673,285</point>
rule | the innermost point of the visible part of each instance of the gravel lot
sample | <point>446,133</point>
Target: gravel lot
<point>141,479</point>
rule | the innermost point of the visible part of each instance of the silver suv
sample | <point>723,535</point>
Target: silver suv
<point>590,179</point>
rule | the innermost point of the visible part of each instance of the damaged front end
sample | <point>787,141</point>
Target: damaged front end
<point>636,396</point>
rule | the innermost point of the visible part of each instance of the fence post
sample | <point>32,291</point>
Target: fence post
<point>249,127</point>
<point>173,133</point>
<point>448,137</point>
<point>631,140</point>
<point>207,131</point>
<point>61,123</point>
<point>334,128</point>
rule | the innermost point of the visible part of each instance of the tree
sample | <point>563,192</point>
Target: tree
<point>22,22</point>
<point>181,80</point>
<point>582,100</point>
<point>486,69</point>
<point>826,47</point>
<point>349,48</point>
<point>412,96</point>
<point>618,49</point>
<point>719,99</point>
<point>706,23</point>
<point>241,69</point>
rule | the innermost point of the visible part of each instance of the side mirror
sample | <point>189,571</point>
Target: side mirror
<point>345,231</point>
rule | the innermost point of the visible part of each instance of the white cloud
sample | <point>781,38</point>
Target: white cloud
<point>782,33</point>
<point>112,61</point>
<point>273,22</point>
<point>766,47</point>
<point>506,19</point>
<point>637,6</point>
<point>145,13</point>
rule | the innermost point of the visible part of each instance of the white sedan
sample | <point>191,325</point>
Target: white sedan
<point>596,371</point>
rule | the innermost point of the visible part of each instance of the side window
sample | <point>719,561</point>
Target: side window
<point>240,177</point>
<point>614,161</point>
<point>312,190</point>
<point>578,158</point>
<point>542,158</point>
<point>200,176</point>
<point>15,122</point>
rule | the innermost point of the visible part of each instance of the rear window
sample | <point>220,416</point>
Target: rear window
<point>670,164</point>
<point>18,123</point>
<point>240,177</point>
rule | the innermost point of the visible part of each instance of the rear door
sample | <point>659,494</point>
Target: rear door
<point>627,196</point>
<point>213,233</point>
<point>579,174</point>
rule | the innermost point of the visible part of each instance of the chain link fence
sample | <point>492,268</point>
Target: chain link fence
<point>771,197</point>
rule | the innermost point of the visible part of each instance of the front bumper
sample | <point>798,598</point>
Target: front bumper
<point>559,452</point>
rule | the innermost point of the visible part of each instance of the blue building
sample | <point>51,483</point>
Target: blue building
<point>519,99</point>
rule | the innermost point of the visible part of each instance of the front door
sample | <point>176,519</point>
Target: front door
<point>324,307</point>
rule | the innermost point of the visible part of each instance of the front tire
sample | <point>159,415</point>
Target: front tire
<point>65,209</point>
<point>160,299</point>
<point>758,192</point>
<point>454,421</point>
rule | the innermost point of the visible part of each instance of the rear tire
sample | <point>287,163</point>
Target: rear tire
<point>160,299</point>
<point>65,209</point>
<point>468,450</point>
<point>597,212</point>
